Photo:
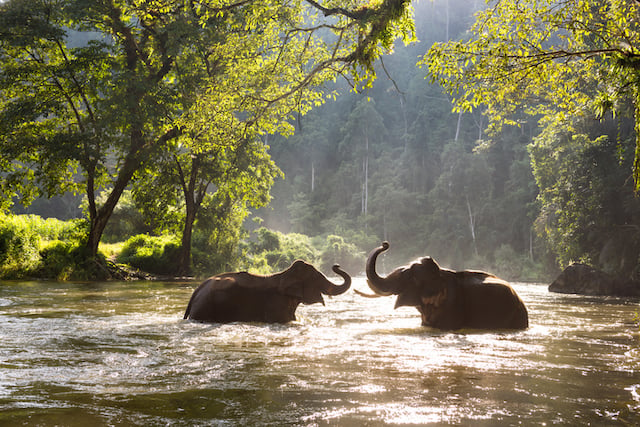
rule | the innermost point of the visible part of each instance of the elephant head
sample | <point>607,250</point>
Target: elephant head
<point>411,283</point>
<point>448,299</point>
<point>307,284</point>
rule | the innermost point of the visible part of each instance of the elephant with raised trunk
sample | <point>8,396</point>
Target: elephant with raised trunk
<point>245,297</point>
<point>448,299</point>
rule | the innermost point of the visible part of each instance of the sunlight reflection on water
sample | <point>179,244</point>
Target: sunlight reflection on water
<point>120,353</point>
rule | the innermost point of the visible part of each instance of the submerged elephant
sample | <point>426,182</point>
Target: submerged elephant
<point>449,299</point>
<point>244,297</point>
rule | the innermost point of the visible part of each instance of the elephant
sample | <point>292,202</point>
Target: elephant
<point>245,297</point>
<point>447,299</point>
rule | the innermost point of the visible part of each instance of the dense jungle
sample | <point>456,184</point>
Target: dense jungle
<point>327,181</point>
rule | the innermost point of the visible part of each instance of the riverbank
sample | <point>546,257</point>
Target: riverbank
<point>583,279</point>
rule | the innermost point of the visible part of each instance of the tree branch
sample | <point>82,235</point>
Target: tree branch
<point>357,14</point>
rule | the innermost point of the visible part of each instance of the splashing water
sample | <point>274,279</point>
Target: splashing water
<point>120,354</point>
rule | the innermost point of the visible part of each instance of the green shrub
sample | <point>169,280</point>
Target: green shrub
<point>22,238</point>
<point>511,266</point>
<point>70,261</point>
<point>267,240</point>
<point>215,244</point>
<point>57,261</point>
<point>214,250</point>
<point>337,251</point>
<point>298,246</point>
<point>273,251</point>
<point>19,247</point>
<point>152,254</point>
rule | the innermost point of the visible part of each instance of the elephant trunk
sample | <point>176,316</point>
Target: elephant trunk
<point>379,285</point>
<point>332,289</point>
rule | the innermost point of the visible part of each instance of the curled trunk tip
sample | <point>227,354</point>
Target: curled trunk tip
<point>339,289</point>
<point>377,284</point>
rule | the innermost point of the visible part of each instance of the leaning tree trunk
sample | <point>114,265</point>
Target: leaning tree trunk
<point>99,217</point>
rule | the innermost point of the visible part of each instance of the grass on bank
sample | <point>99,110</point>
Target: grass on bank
<point>33,247</point>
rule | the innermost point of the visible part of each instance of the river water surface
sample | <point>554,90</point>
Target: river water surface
<point>120,354</point>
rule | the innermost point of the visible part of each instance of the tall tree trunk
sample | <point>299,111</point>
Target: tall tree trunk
<point>480,125</point>
<point>636,160</point>
<point>99,217</point>
<point>365,178</point>
<point>313,176</point>
<point>194,193</point>
<point>472,225</point>
<point>531,243</point>
<point>184,256</point>
<point>446,35</point>
<point>458,126</point>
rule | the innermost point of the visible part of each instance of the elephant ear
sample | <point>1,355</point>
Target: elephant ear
<point>444,284</point>
<point>305,293</point>
<point>410,296</point>
<point>312,295</point>
<point>298,282</point>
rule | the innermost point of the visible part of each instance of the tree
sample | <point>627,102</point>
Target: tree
<point>554,59</point>
<point>87,116</point>
<point>363,130</point>
<point>588,209</point>
<point>459,203</point>
<point>179,183</point>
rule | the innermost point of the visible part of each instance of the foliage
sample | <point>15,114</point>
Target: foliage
<point>266,240</point>
<point>126,219</point>
<point>559,60</point>
<point>347,255</point>
<point>426,179</point>
<point>70,260</point>
<point>25,242</point>
<point>147,76</point>
<point>216,240</point>
<point>19,248</point>
<point>174,190</point>
<point>430,181</point>
<point>269,251</point>
<point>588,209</point>
<point>153,254</point>
<point>273,251</point>
<point>510,265</point>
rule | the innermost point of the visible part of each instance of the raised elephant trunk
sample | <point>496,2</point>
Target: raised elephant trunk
<point>379,285</point>
<point>332,289</point>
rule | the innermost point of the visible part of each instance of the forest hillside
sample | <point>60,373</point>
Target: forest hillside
<point>394,162</point>
<point>390,161</point>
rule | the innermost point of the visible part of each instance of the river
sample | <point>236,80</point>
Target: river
<point>120,354</point>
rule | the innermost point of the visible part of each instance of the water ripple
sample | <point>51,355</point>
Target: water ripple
<point>120,353</point>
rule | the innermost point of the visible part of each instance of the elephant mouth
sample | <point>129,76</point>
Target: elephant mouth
<point>378,292</point>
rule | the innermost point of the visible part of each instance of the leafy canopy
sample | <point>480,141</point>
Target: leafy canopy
<point>558,60</point>
<point>90,90</point>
